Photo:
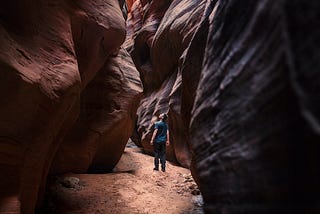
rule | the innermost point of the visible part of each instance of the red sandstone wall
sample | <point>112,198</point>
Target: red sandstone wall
<point>107,116</point>
<point>55,59</point>
<point>157,44</point>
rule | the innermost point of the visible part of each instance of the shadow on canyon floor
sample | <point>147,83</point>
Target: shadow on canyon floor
<point>133,187</point>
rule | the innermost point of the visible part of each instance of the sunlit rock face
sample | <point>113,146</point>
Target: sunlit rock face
<point>157,45</point>
<point>241,90</point>
<point>55,58</point>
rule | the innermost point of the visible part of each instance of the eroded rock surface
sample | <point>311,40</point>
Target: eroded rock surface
<point>239,80</point>
<point>160,41</point>
<point>50,54</point>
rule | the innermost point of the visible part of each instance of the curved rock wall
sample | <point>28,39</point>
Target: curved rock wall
<point>107,115</point>
<point>53,64</point>
<point>241,121</point>
<point>239,80</point>
<point>160,41</point>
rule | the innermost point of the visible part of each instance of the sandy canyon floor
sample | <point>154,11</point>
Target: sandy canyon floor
<point>133,187</point>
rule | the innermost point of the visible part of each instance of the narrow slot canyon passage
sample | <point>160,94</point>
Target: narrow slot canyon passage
<point>237,81</point>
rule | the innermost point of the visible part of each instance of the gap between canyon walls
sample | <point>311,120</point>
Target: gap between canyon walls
<point>238,79</point>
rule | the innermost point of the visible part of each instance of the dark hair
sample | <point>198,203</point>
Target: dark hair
<point>164,116</point>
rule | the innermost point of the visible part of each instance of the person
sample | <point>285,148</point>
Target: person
<point>159,140</point>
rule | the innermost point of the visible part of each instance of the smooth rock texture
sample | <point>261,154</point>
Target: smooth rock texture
<point>106,120</point>
<point>50,54</point>
<point>39,86</point>
<point>239,80</point>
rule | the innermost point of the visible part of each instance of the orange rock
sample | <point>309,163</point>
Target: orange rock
<point>49,53</point>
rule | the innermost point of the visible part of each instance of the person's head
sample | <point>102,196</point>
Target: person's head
<point>163,117</point>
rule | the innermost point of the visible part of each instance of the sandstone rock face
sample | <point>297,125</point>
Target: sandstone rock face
<point>50,54</point>
<point>160,41</point>
<point>239,80</point>
<point>107,118</point>
<point>244,111</point>
<point>248,137</point>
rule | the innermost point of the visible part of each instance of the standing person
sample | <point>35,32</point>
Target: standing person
<point>160,139</point>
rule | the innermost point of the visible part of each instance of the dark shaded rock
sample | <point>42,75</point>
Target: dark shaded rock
<point>303,39</point>
<point>70,182</point>
<point>241,92</point>
<point>39,86</point>
<point>247,134</point>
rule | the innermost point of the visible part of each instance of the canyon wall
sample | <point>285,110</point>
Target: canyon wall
<point>56,59</point>
<point>157,44</point>
<point>239,80</point>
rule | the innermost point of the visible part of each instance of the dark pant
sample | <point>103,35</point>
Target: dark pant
<point>160,152</point>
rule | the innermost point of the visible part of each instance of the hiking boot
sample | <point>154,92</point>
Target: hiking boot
<point>156,169</point>
<point>163,169</point>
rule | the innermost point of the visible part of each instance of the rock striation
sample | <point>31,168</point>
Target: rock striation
<point>239,80</point>
<point>56,58</point>
<point>157,45</point>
